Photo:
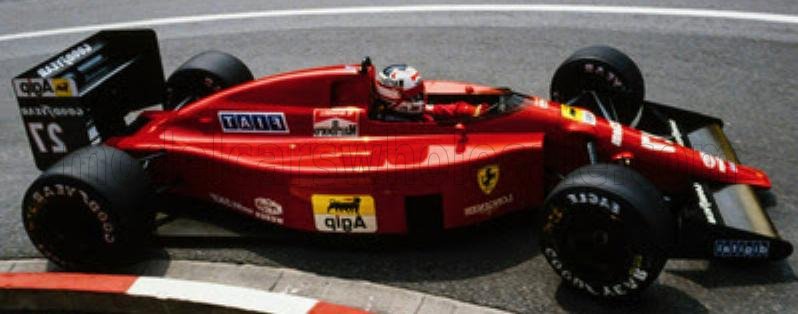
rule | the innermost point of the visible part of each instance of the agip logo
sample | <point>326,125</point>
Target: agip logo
<point>488,177</point>
<point>39,87</point>
<point>344,213</point>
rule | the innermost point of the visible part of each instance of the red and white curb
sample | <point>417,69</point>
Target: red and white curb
<point>214,294</point>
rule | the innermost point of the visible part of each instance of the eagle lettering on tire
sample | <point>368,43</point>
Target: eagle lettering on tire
<point>598,234</point>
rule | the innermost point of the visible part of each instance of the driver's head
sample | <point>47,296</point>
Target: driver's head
<point>401,87</point>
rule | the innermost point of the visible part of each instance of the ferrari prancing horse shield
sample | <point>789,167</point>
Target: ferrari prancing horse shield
<point>487,177</point>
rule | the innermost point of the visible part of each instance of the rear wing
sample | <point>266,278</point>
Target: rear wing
<point>80,96</point>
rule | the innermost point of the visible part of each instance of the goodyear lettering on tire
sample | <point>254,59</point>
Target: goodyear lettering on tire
<point>344,213</point>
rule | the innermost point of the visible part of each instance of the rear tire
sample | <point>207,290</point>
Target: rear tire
<point>90,211</point>
<point>607,72</point>
<point>606,231</point>
<point>202,75</point>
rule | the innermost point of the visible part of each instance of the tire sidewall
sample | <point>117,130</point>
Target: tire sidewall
<point>646,260</point>
<point>188,80</point>
<point>48,194</point>
<point>191,83</point>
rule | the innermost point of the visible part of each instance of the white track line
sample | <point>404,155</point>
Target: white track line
<point>591,9</point>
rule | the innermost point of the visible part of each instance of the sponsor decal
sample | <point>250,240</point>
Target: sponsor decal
<point>637,276</point>
<point>351,69</point>
<point>742,248</point>
<point>594,199</point>
<point>704,203</point>
<point>253,122</point>
<point>65,60</point>
<point>265,208</point>
<point>489,206</point>
<point>226,202</point>
<point>603,73</point>
<point>712,161</point>
<point>344,213</point>
<point>41,196</point>
<point>488,177</point>
<point>269,210</point>
<point>336,122</point>
<point>38,87</point>
<point>541,103</point>
<point>617,133</point>
<point>656,143</point>
<point>51,112</point>
<point>578,114</point>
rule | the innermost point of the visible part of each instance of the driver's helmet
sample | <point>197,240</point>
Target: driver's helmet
<point>401,87</point>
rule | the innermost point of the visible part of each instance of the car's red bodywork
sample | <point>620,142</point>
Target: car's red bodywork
<point>391,161</point>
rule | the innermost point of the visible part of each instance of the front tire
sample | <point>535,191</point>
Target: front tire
<point>90,211</point>
<point>604,80</point>
<point>606,231</point>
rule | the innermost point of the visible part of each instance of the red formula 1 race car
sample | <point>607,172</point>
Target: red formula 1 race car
<point>623,183</point>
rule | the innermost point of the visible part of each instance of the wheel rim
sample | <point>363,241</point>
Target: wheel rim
<point>593,245</point>
<point>69,230</point>
<point>605,94</point>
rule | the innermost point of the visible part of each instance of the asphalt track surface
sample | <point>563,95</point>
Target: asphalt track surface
<point>742,71</point>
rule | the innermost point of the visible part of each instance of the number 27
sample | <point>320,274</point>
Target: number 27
<point>53,132</point>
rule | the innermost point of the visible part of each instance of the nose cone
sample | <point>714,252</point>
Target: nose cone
<point>760,179</point>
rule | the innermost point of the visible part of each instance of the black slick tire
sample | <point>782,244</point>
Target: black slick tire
<point>609,73</point>
<point>202,75</point>
<point>606,231</point>
<point>90,211</point>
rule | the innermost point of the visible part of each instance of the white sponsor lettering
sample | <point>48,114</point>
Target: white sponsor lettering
<point>489,206</point>
<point>595,199</point>
<point>711,161</point>
<point>656,143</point>
<point>67,59</point>
<point>617,133</point>
<point>588,117</point>
<point>51,112</point>
<point>703,203</point>
<point>542,103</point>
<point>269,210</point>
<point>742,248</point>
<point>224,201</point>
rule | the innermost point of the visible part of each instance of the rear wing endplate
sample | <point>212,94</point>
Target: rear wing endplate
<point>80,96</point>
